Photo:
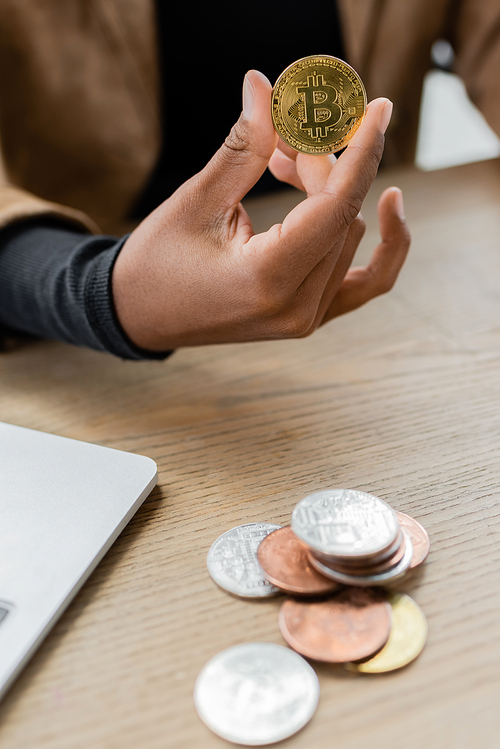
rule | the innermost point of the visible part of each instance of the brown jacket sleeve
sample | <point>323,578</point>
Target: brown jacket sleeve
<point>389,43</point>
<point>19,205</point>
<point>79,108</point>
<point>475,36</point>
<point>79,92</point>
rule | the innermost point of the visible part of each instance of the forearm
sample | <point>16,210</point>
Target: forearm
<point>55,282</point>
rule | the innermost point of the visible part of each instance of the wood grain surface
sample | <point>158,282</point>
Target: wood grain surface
<point>400,399</point>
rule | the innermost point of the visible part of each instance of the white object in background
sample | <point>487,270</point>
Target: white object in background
<point>452,131</point>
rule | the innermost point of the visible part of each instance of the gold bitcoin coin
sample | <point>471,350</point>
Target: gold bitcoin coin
<point>318,103</point>
<point>406,640</point>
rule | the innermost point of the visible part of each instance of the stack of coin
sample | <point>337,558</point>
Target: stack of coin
<point>355,538</point>
<point>340,546</point>
<point>338,538</point>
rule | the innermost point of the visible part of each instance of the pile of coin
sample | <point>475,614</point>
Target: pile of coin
<point>341,547</point>
<point>350,538</point>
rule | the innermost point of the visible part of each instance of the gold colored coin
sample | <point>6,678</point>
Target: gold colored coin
<point>318,103</point>
<point>406,640</point>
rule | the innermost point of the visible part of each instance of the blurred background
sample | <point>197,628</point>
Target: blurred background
<point>451,131</point>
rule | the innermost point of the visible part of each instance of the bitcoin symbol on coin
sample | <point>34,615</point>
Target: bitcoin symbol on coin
<point>320,108</point>
<point>318,104</point>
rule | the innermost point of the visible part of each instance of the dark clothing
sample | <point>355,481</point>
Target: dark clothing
<point>56,282</point>
<point>213,67</point>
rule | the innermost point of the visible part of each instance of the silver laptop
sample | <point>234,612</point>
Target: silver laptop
<point>62,504</point>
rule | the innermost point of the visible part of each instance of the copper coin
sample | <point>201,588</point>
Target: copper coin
<point>351,626</point>
<point>283,557</point>
<point>406,641</point>
<point>419,538</point>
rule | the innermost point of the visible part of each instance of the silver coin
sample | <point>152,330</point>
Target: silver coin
<point>232,561</point>
<point>345,523</point>
<point>256,693</point>
<point>367,580</point>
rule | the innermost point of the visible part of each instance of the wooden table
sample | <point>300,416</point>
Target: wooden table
<point>400,399</point>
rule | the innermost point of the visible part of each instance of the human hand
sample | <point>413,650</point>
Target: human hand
<point>194,272</point>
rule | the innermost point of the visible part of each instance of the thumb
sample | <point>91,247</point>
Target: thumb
<point>246,152</point>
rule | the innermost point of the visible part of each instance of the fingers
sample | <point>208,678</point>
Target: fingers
<point>245,154</point>
<point>314,171</point>
<point>362,284</point>
<point>354,236</point>
<point>310,230</point>
<point>315,295</point>
<point>304,172</point>
<point>355,170</point>
<point>284,168</point>
<point>305,309</point>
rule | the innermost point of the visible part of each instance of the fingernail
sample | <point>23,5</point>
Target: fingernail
<point>385,116</point>
<point>248,98</point>
<point>399,204</point>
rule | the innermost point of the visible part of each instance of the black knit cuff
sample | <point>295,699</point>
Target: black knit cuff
<point>100,310</point>
<point>55,283</point>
